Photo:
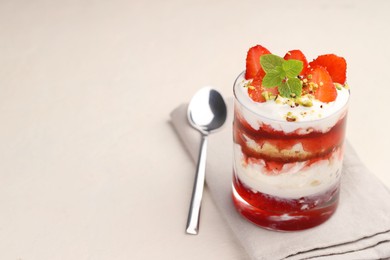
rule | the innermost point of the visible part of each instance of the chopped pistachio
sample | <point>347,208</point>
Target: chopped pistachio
<point>338,86</point>
<point>268,95</point>
<point>307,103</point>
<point>245,84</point>
<point>265,95</point>
<point>291,102</point>
<point>312,86</point>
<point>290,117</point>
<point>306,100</point>
<point>279,100</point>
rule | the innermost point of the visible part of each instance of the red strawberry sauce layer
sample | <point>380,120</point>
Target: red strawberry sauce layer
<point>285,213</point>
<point>317,145</point>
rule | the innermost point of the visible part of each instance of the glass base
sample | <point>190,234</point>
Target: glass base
<point>291,215</point>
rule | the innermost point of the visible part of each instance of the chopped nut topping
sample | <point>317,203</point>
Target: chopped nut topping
<point>338,86</point>
<point>290,117</point>
<point>268,96</point>
<point>305,100</point>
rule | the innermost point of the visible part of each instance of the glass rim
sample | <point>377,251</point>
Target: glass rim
<point>344,107</point>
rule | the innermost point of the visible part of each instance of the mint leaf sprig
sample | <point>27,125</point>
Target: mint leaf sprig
<point>283,74</point>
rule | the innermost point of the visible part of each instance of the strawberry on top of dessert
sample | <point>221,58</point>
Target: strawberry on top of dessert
<point>293,78</point>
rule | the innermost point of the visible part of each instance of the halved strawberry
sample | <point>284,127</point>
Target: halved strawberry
<point>256,89</point>
<point>335,65</point>
<point>297,55</point>
<point>326,91</point>
<point>253,60</point>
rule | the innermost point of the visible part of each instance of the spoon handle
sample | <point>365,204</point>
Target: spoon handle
<point>197,192</point>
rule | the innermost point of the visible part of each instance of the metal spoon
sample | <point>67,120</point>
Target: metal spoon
<point>206,112</point>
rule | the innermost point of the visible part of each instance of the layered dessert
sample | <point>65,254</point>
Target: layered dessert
<point>289,127</point>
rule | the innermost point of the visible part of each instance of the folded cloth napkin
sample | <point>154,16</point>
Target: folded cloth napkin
<point>360,228</point>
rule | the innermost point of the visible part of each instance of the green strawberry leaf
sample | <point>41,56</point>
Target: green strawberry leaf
<point>270,61</point>
<point>272,79</point>
<point>292,68</point>
<point>282,74</point>
<point>291,88</point>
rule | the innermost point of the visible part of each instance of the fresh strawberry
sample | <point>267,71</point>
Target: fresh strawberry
<point>256,94</point>
<point>253,61</point>
<point>326,91</point>
<point>297,55</point>
<point>256,88</point>
<point>335,65</point>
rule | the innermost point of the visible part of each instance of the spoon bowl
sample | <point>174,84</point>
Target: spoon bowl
<point>207,113</point>
<point>207,110</point>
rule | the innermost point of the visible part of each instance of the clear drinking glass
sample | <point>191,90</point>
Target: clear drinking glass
<point>286,174</point>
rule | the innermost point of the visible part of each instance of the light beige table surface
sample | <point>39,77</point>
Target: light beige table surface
<point>90,168</point>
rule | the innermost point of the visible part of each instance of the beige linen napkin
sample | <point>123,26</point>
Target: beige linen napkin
<point>360,228</point>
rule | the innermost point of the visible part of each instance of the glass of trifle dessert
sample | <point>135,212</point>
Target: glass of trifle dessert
<point>288,130</point>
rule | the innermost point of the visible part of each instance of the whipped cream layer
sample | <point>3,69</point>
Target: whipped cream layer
<point>295,180</point>
<point>320,117</point>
